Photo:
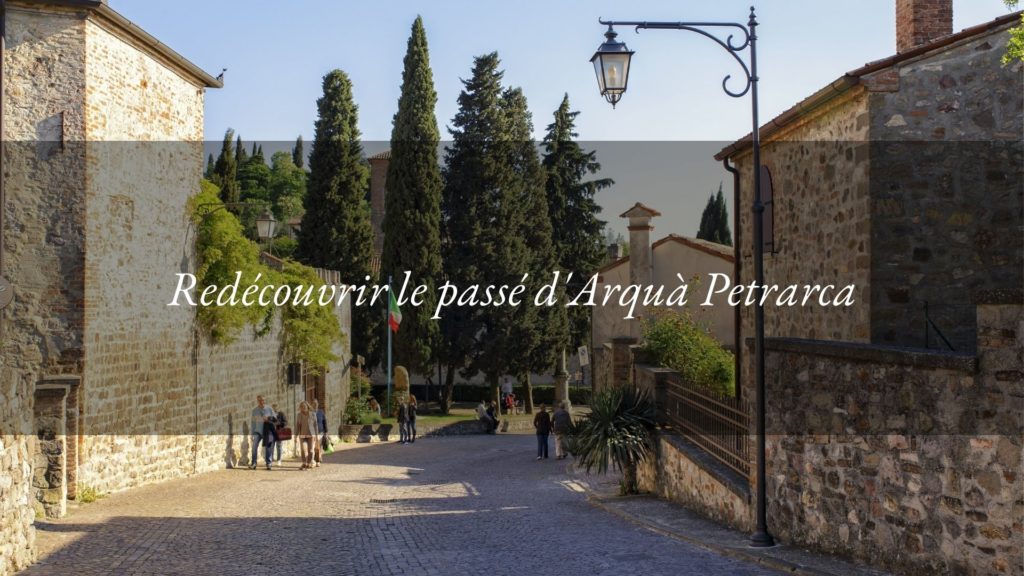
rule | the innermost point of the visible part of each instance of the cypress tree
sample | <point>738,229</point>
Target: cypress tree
<point>412,213</point>
<point>577,237</point>
<point>240,155</point>
<point>708,229</point>
<point>208,173</point>
<point>471,184</point>
<point>336,232</point>
<point>724,233</point>
<point>298,153</point>
<point>225,170</point>
<point>538,334</point>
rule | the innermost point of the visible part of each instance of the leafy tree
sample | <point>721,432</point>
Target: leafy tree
<point>472,178</point>
<point>538,334</point>
<point>287,187</point>
<point>412,213</point>
<point>1015,49</point>
<point>336,232</point>
<point>298,153</point>
<point>254,178</point>
<point>714,221</point>
<point>577,237</point>
<point>225,170</point>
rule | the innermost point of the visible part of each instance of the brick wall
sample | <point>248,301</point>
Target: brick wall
<point>921,21</point>
<point>947,191</point>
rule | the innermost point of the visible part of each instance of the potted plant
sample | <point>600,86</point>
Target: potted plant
<point>618,429</point>
<point>354,412</point>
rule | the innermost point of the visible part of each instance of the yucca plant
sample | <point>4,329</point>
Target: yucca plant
<point>618,431</point>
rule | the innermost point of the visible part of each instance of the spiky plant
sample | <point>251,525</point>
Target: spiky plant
<point>618,430</point>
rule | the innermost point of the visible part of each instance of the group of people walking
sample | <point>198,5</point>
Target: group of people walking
<point>268,427</point>
<point>406,418</point>
<point>560,423</point>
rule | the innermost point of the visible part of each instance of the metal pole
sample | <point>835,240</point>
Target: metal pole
<point>760,538</point>
<point>387,326</point>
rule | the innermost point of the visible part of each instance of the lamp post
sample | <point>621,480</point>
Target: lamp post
<point>611,65</point>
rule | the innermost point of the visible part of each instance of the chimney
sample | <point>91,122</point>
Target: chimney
<point>640,252</point>
<point>614,251</point>
<point>921,21</point>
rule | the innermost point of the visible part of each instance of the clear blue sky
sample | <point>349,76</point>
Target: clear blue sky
<point>276,54</point>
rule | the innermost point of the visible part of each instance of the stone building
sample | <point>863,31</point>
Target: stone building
<point>657,264</point>
<point>104,387</point>
<point>888,442</point>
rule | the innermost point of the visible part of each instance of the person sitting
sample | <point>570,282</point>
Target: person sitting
<point>492,413</point>
<point>483,414</point>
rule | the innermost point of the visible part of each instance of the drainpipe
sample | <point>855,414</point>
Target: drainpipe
<point>738,266</point>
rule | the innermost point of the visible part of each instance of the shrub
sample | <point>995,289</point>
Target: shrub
<point>674,340</point>
<point>617,431</point>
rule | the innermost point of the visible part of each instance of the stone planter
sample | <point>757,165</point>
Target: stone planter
<point>384,432</point>
<point>350,432</point>
<point>366,434</point>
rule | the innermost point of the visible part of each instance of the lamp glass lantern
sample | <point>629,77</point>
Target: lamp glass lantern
<point>266,225</point>
<point>611,65</point>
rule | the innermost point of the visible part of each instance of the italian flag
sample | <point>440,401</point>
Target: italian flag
<point>394,312</point>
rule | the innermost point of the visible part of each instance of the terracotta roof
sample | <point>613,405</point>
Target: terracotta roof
<point>638,207</point>
<point>385,155</point>
<point>727,253</point>
<point>853,78</point>
<point>159,49</point>
<point>722,251</point>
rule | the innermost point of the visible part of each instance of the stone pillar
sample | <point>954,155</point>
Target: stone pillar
<point>562,385</point>
<point>56,426</point>
<point>48,477</point>
<point>622,361</point>
<point>640,254</point>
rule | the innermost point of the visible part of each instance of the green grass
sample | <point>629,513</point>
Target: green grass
<point>461,412</point>
<point>88,495</point>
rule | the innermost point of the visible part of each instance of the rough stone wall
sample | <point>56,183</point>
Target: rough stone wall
<point>905,460</point>
<point>819,167</point>
<point>144,134</point>
<point>44,70</point>
<point>947,191</point>
<point>673,474</point>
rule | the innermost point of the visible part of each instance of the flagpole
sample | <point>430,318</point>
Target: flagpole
<point>387,326</point>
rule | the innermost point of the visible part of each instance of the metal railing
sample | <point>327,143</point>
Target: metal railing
<point>718,424</point>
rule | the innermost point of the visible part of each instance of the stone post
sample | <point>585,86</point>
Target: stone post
<point>48,477</point>
<point>562,385</point>
<point>641,255</point>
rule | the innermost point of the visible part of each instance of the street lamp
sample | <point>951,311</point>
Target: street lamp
<point>611,64</point>
<point>265,226</point>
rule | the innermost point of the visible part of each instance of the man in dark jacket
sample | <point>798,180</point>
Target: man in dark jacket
<point>542,423</point>
<point>403,421</point>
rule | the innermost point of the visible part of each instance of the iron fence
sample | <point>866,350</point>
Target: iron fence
<point>718,424</point>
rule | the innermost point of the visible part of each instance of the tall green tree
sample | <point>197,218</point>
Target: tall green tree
<point>241,157</point>
<point>225,170</point>
<point>412,211</point>
<point>714,221</point>
<point>538,333</point>
<point>208,173</point>
<point>287,187</point>
<point>299,153</point>
<point>336,233</point>
<point>577,236</point>
<point>470,200</point>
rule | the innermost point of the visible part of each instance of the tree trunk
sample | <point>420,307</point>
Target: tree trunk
<point>528,388</point>
<point>495,388</point>
<point>629,479</point>
<point>447,390</point>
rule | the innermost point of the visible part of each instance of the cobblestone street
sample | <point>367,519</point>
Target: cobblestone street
<point>460,505</point>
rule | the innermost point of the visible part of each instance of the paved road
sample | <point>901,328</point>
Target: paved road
<point>478,505</point>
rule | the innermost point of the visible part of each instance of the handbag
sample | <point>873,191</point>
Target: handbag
<point>284,433</point>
